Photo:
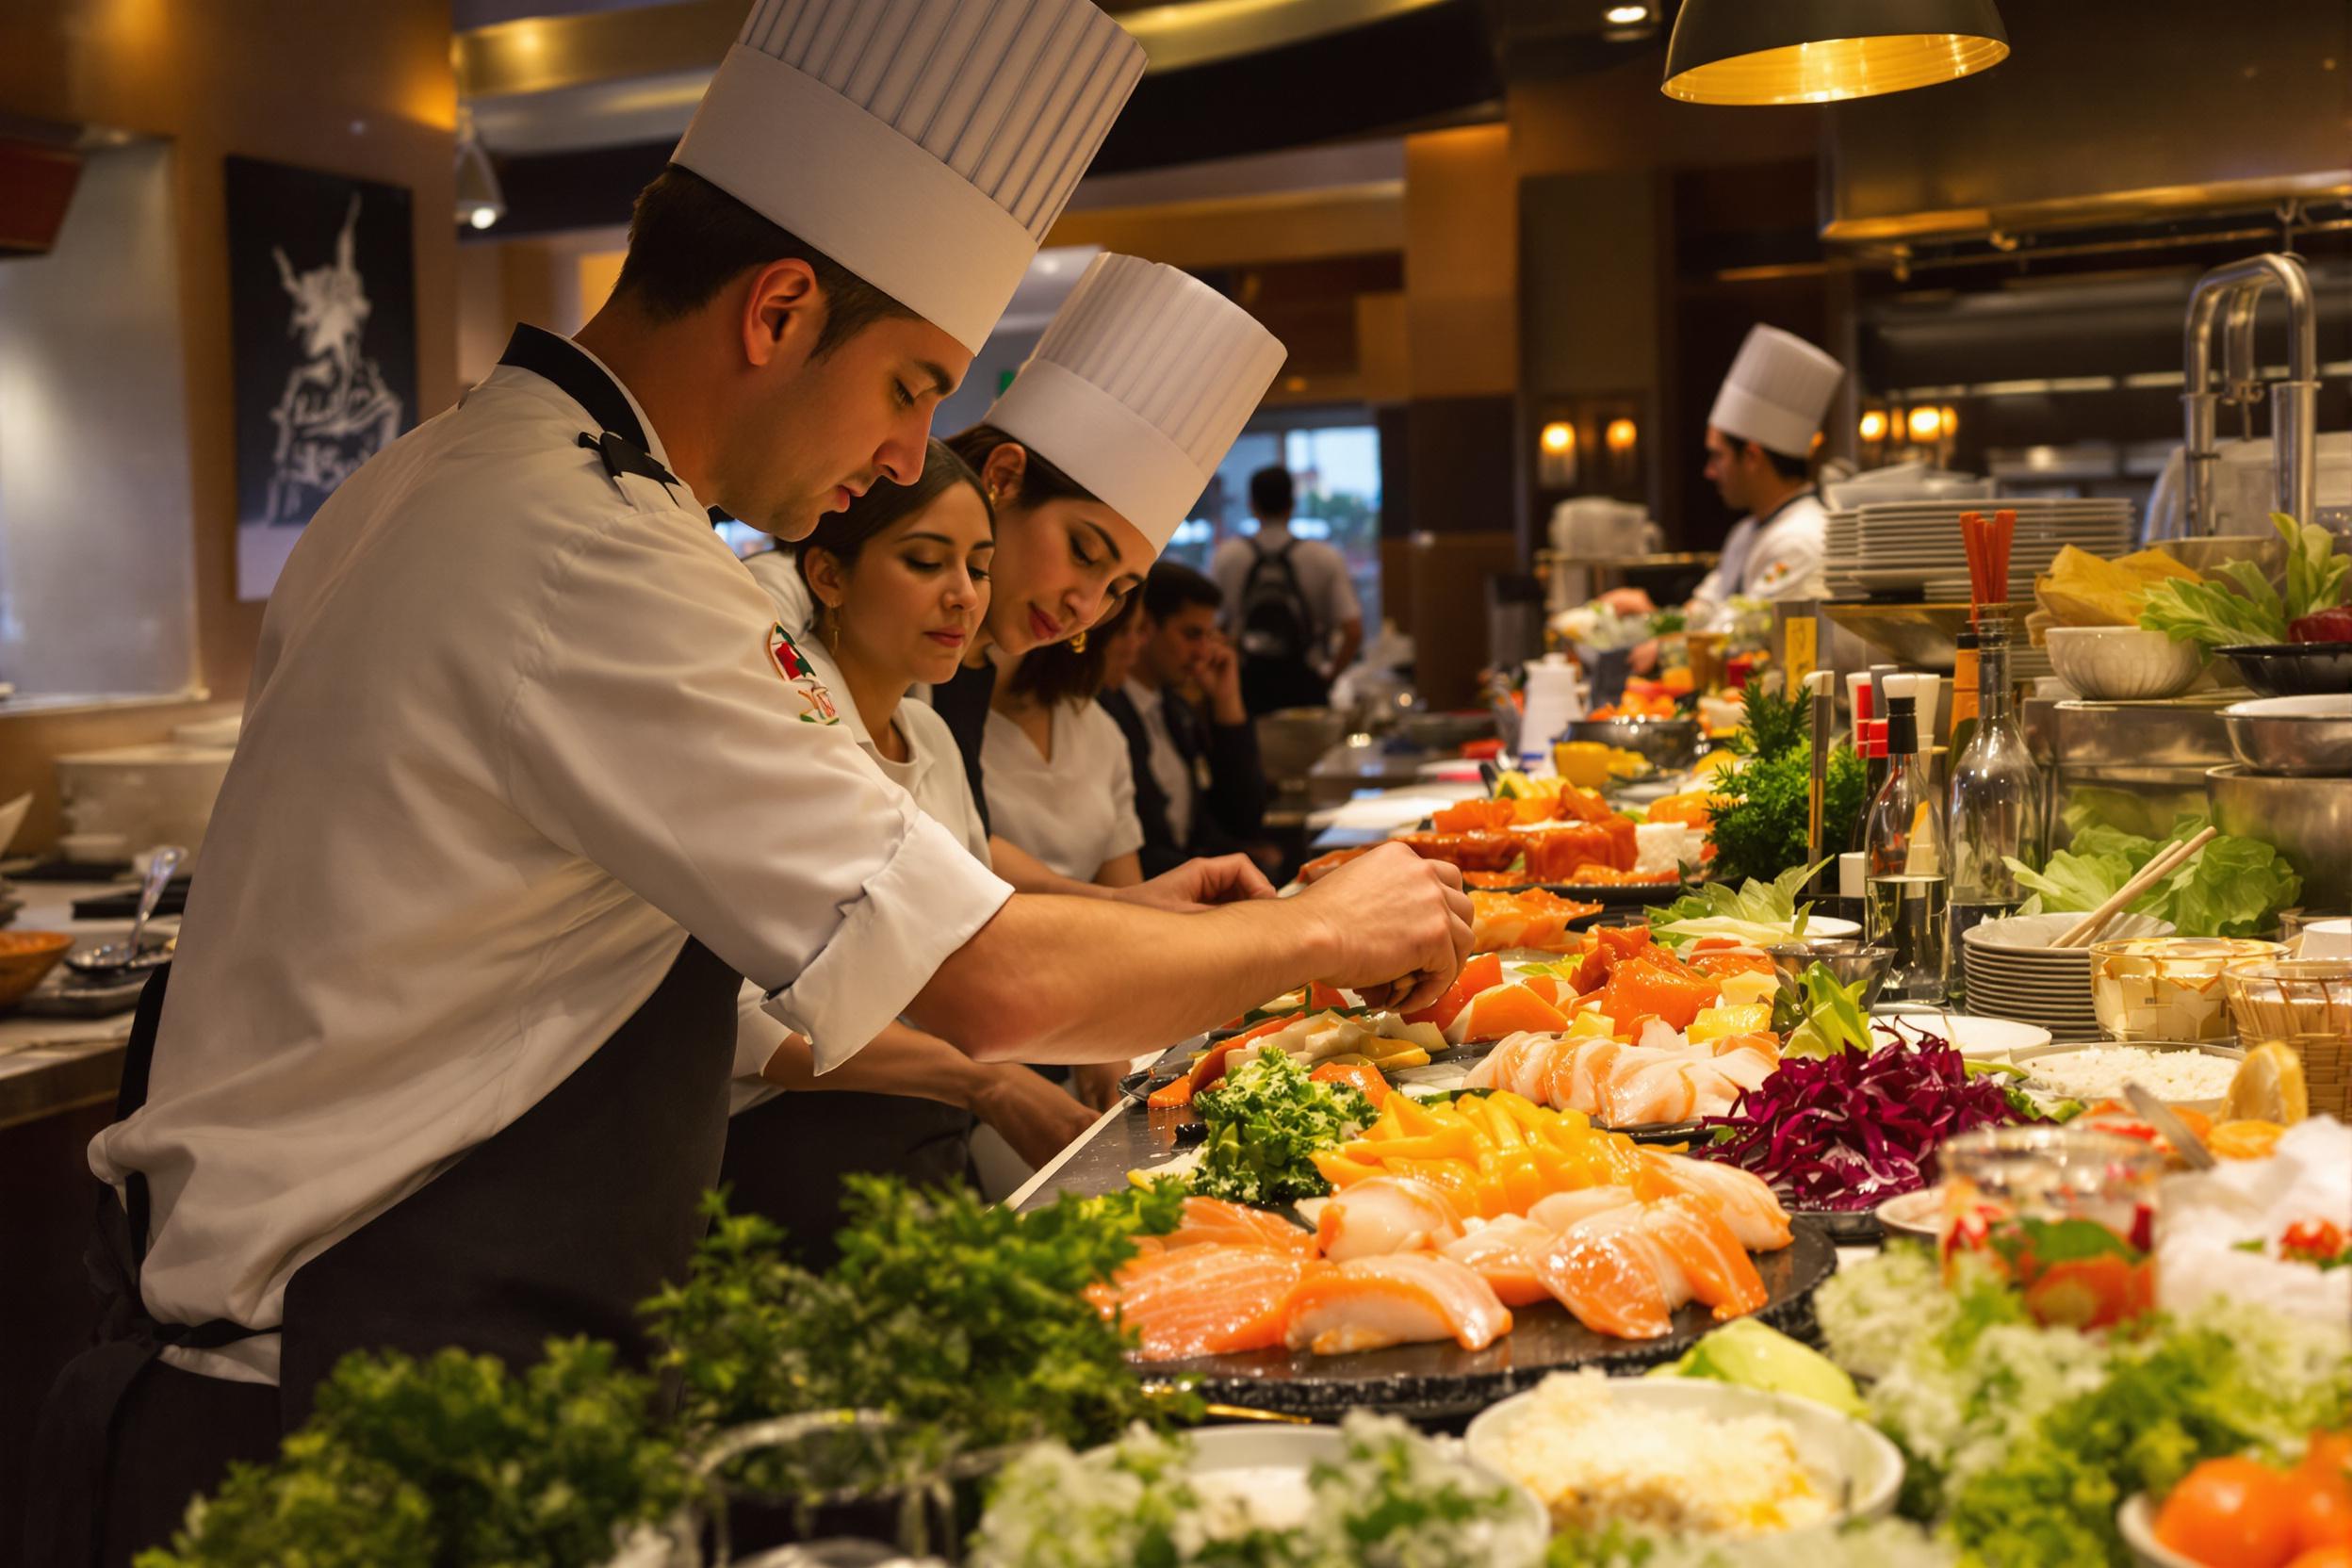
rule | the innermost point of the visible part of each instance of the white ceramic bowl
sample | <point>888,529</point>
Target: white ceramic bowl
<point>2136,1523</point>
<point>2032,935</point>
<point>2328,938</point>
<point>1253,1456</point>
<point>1847,1457</point>
<point>1981,1040</point>
<point>2233,1055</point>
<point>2123,664</point>
<point>1916,1213</point>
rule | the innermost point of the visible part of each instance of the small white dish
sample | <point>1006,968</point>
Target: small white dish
<point>2123,664</point>
<point>1830,925</point>
<point>1983,1040</point>
<point>2136,1523</point>
<point>2326,938</point>
<point>2011,935</point>
<point>1848,1459</point>
<point>1914,1214</point>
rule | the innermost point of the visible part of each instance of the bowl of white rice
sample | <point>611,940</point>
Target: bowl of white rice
<point>2194,1074</point>
<point>1685,1457</point>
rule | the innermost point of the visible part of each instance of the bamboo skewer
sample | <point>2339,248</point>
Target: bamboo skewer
<point>2085,931</point>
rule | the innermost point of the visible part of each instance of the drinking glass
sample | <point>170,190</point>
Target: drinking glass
<point>2066,1214</point>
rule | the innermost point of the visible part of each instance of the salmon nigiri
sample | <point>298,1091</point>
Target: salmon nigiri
<point>1374,1303</point>
<point>1212,1221</point>
<point>1742,1197</point>
<point>1504,1252</point>
<point>1383,1215</point>
<point>1709,1258</point>
<point>1207,1301</point>
<point>1606,1273</point>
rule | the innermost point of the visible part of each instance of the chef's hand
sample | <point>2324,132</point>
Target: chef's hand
<point>1219,674</point>
<point>1196,883</point>
<point>1629,601</point>
<point>1096,1085</point>
<point>1400,925</point>
<point>1031,1113</point>
<point>1644,658</point>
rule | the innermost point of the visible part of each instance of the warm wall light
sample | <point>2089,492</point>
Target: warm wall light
<point>1558,438</point>
<point>1874,426</point>
<point>1948,422</point>
<point>1819,51</point>
<point>1625,16</point>
<point>1926,424</point>
<point>1620,435</point>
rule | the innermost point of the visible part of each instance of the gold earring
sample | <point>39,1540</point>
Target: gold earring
<point>831,629</point>
<point>1078,643</point>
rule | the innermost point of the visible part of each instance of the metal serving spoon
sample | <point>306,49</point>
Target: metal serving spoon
<point>115,957</point>
<point>2185,1143</point>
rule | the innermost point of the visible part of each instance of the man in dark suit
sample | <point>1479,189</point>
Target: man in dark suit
<point>1198,787</point>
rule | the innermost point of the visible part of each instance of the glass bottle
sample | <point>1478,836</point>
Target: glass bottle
<point>1906,888</point>
<point>1996,808</point>
<point>1966,663</point>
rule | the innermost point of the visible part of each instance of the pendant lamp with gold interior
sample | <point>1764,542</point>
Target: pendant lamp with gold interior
<point>1819,51</point>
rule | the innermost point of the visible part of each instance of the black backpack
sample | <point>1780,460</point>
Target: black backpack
<point>1275,625</point>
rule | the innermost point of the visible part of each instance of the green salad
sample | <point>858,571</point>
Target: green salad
<point>2212,614</point>
<point>1759,913</point>
<point>2233,887</point>
<point>1265,1121</point>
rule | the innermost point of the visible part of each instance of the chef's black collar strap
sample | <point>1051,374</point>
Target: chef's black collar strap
<point>622,445</point>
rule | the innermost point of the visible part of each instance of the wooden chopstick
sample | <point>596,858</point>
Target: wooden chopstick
<point>2085,931</point>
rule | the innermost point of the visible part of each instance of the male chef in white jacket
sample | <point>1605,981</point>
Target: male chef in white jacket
<point>529,775</point>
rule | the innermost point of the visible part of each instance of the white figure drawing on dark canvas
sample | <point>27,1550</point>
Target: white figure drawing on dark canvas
<point>336,412</point>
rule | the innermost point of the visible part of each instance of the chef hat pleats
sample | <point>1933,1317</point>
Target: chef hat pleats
<point>1777,392</point>
<point>926,145</point>
<point>1138,387</point>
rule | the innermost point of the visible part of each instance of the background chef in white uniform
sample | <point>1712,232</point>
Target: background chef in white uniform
<point>530,776</point>
<point>1759,441</point>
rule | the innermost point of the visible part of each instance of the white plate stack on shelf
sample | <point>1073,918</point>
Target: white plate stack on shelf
<point>2014,973</point>
<point>1916,548</point>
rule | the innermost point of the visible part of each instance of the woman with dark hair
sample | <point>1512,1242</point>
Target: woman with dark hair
<point>1061,785</point>
<point>897,584</point>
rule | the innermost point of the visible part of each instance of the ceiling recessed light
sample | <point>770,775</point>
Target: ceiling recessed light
<point>1625,16</point>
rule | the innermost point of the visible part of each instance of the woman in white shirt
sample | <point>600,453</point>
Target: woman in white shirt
<point>1060,783</point>
<point>899,584</point>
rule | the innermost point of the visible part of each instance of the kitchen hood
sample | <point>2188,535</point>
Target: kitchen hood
<point>2107,112</point>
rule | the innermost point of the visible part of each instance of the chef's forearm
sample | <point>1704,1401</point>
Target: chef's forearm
<point>1029,875</point>
<point>1064,980</point>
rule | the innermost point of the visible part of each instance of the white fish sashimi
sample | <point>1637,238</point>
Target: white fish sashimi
<point>1370,1303</point>
<point>1557,1211</point>
<point>1742,1197</point>
<point>1386,1214</point>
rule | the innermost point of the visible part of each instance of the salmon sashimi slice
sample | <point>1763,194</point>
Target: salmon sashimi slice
<point>1213,1223</point>
<point>1605,947</point>
<point>1505,1010</point>
<point>1480,973</point>
<point>1743,1198</point>
<point>1658,987</point>
<point>1648,1088</point>
<point>1371,1303</point>
<point>1479,849</point>
<point>1607,1274</point>
<point>1708,1255</point>
<point>1722,963</point>
<point>1385,1215</point>
<point>1466,816</point>
<point>1499,1068</point>
<point>1207,1301</point>
<point>1504,1253</point>
<point>1534,919</point>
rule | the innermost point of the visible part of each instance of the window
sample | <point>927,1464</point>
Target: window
<point>1333,456</point>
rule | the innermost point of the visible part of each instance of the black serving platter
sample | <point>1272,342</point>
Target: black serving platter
<point>2292,669</point>
<point>1437,1380</point>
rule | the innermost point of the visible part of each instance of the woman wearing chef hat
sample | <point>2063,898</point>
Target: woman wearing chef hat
<point>1759,441</point>
<point>531,774</point>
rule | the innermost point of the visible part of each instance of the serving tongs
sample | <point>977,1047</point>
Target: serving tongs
<point>112,959</point>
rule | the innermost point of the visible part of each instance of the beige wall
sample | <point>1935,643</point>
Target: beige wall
<point>360,89</point>
<point>1461,262</point>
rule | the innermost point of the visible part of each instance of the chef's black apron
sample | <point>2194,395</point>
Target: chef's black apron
<point>558,1224</point>
<point>786,1158</point>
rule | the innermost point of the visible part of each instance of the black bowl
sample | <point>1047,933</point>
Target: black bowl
<point>2293,669</point>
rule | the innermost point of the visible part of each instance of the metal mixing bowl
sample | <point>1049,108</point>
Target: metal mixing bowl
<point>2293,737</point>
<point>1669,743</point>
<point>1845,958</point>
<point>2308,819</point>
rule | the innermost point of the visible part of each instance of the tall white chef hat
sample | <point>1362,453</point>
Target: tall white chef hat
<point>926,145</point>
<point>1138,386</point>
<point>1777,392</point>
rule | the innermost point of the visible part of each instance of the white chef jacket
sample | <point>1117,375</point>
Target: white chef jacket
<point>516,730</point>
<point>1168,770</point>
<point>933,775</point>
<point>1780,557</point>
<point>1075,812</point>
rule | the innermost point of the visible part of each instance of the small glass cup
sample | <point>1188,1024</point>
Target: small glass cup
<point>2305,1005</point>
<point>2167,987</point>
<point>2066,1214</point>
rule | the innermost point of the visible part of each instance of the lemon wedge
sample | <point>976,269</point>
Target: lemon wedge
<point>2268,1087</point>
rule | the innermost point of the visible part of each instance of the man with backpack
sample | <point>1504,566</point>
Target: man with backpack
<point>1289,605</point>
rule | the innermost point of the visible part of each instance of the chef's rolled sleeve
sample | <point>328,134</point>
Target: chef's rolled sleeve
<point>929,900</point>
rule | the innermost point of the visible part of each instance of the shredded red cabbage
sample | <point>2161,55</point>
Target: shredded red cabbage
<point>1852,1130</point>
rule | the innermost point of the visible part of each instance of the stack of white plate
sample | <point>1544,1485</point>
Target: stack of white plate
<point>2014,973</point>
<point>1917,547</point>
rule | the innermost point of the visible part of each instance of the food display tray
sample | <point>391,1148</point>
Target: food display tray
<point>1439,1380</point>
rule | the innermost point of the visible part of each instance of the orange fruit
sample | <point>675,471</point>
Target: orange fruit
<point>2322,1556</point>
<point>2322,1508</point>
<point>2230,1513</point>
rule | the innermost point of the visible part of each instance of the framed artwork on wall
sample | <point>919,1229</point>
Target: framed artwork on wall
<point>322,305</point>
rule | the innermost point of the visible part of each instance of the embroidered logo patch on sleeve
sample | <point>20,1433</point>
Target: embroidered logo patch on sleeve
<point>786,655</point>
